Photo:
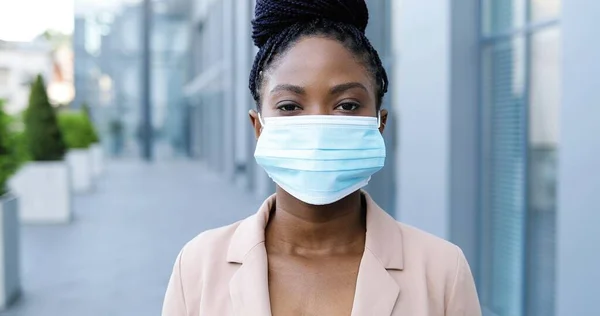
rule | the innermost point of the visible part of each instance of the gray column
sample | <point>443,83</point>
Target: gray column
<point>464,127</point>
<point>146,97</point>
<point>422,84</point>
<point>382,186</point>
<point>227,118</point>
<point>263,185</point>
<point>435,90</point>
<point>578,218</point>
<point>243,102</point>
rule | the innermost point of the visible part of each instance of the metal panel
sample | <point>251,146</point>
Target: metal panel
<point>10,256</point>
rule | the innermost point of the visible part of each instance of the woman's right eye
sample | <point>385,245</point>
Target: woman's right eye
<point>288,107</point>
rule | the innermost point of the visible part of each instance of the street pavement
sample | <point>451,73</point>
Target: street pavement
<point>116,256</point>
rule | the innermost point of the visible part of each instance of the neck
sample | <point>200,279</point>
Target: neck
<point>299,228</point>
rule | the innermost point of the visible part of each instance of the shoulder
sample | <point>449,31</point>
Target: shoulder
<point>212,243</point>
<point>444,264</point>
<point>202,256</point>
<point>199,258</point>
<point>433,256</point>
<point>428,246</point>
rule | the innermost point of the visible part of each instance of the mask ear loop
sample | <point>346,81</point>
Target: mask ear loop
<point>262,122</point>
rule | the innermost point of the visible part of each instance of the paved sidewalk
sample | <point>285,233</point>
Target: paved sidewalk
<point>117,255</point>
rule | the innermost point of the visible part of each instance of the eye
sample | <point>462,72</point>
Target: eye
<point>288,107</point>
<point>348,106</point>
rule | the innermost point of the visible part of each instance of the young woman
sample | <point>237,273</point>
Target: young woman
<point>319,245</point>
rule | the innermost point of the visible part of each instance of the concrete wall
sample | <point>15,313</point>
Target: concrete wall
<point>578,219</point>
<point>435,87</point>
<point>422,85</point>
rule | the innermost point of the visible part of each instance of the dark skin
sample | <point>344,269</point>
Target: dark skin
<point>314,251</point>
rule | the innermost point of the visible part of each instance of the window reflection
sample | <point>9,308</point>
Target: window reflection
<point>544,102</point>
<point>544,9</point>
<point>502,15</point>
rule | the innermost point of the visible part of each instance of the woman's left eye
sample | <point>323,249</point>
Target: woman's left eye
<point>348,106</point>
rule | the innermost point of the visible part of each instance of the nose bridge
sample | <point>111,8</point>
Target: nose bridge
<point>319,107</point>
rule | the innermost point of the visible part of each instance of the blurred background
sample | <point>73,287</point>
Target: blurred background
<point>492,144</point>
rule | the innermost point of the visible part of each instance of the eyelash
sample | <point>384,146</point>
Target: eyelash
<point>354,104</point>
<point>282,107</point>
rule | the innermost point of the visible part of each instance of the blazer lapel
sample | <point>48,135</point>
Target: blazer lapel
<point>249,287</point>
<point>376,290</point>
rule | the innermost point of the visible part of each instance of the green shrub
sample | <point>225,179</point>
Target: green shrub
<point>21,151</point>
<point>77,130</point>
<point>86,111</point>
<point>16,133</point>
<point>42,133</point>
<point>8,157</point>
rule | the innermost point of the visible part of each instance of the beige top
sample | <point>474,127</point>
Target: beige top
<point>404,271</point>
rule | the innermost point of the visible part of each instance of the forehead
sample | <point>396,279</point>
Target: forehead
<point>317,61</point>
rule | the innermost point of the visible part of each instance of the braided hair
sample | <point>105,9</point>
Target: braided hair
<point>278,24</point>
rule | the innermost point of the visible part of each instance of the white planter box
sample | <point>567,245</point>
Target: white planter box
<point>44,192</point>
<point>97,160</point>
<point>80,165</point>
<point>10,278</point>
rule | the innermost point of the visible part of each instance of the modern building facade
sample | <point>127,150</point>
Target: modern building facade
<point>492,105</point>
<point>108,63</point>
<point>489,156</point>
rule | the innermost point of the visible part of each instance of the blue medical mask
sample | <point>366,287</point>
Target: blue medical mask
<point>320,159</point>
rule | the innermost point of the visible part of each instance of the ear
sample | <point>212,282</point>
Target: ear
<point>384,117</point>
<point>255,123</point>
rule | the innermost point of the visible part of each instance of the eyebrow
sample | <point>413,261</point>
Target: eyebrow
<point>290,88</point>
<point>347,86</point>
<point>335,90</point>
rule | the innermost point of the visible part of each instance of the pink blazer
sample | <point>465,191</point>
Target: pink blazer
<point>404,271</point>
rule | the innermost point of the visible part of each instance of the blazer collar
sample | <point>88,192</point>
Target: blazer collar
<point>376,290</point>
<point>383,237</point>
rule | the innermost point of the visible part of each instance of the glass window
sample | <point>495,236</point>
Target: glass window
<point>501,16</point>
<point>544,93</point>
<point>544,9</point>
<point>544,102</point>
<point>520,107</point>
<point>503,177</point>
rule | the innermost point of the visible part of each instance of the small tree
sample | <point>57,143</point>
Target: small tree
<point>85,108</point>
<point>44,138</point>
<point>77,130</point>
<point>8,157</point>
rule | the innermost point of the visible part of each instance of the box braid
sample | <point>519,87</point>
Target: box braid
<point>278,24</point>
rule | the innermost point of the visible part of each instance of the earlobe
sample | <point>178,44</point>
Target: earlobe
<point>383,117</point>
<point>255,121</point>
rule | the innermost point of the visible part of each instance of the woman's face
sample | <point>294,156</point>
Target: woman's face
<point>317,76</point>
